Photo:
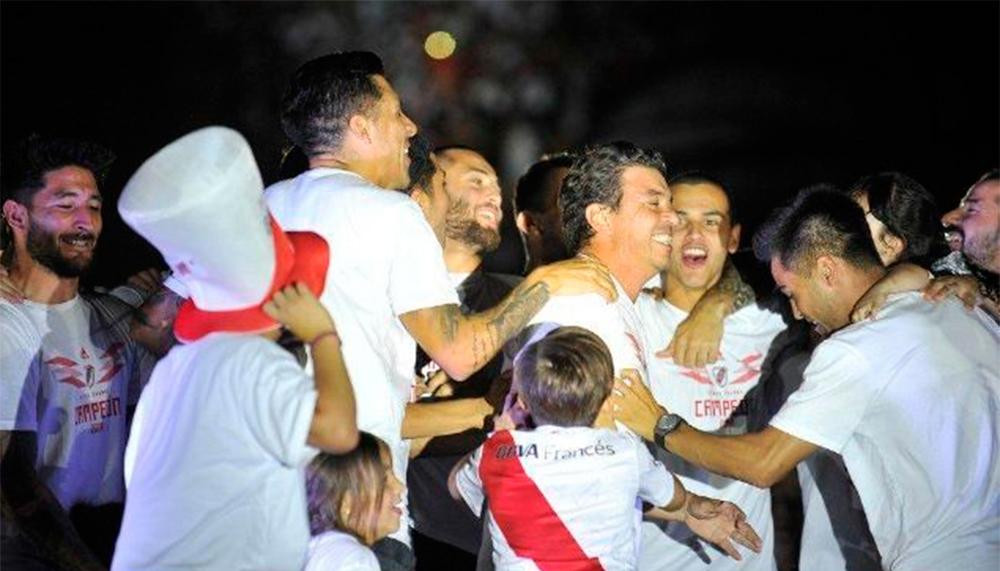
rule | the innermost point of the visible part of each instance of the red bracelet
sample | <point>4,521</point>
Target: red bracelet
<point>323,335</point>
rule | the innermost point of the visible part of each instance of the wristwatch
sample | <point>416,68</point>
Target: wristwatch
<point>664,426</point>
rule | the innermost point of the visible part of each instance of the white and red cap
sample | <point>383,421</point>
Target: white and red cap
<point>200,202</point>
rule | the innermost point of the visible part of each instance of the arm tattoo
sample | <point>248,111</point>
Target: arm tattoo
<point>507,319</point>
<point>731,284</point>
<point>448,321</point>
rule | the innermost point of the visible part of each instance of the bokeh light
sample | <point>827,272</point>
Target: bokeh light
<point>440,45</point>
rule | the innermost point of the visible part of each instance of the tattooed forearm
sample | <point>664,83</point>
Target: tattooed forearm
<point>733,289</point>
<point>449,319</point>
<point>510,317</point>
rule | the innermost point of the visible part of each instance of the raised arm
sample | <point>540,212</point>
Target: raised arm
<point>462,344</point>
<point>698,338</point>
<point>716,521</point>
<point>334,426</point>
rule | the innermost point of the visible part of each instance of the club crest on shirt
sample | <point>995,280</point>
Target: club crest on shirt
<point>719,375</point>
<point>91,378</point>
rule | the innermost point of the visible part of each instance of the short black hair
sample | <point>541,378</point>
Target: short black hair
<point>904,206</point>
<point>528,193</point>
<point>324,93</point>
<point>25,166</point>
<point>693,177</point>
<point>595,177</point>
<point>821,220</point>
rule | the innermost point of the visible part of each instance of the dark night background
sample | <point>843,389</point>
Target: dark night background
<point>772,97</point>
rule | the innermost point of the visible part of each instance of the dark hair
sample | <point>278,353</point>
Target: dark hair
<point>595,177</point>
<point>904,206</point>
<point>331,477</point>
<point>565,377</point>
<point>991,176</point>
<point>322,96</point>
<point>528,193</point>
<point>24,169</point>
<point>422,167</point>
<point>821,220</point>
<point>698,177</point>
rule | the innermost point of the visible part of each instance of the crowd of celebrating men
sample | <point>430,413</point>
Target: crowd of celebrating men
<point>135,436</point>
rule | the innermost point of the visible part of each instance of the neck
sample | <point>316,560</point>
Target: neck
<point>853,287</point>
<point>630,278</point>
<point>342,161</point>
<point>40,284</point>
<point>460,258</point>
<point>680,296</point>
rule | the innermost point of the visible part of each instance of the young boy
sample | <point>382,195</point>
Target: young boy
<point>216,457</point>
<point>567,494</point>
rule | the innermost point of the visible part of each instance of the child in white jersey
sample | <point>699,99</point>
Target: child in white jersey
<point>353,502</point>
<point>569,493</point>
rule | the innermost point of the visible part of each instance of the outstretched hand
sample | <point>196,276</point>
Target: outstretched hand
<point>721,523</point>
<point>296,308</point>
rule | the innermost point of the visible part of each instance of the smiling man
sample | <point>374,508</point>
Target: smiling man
<point>69,374</point>
<point>616,209</point>
<point>387,286</point>
<point>909,400</point>
<point>708,397</point>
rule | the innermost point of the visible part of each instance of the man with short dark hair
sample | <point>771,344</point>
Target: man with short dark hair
<point>536,206</point>
<point>908,400</point>
<point>69,374</point>
<point>387,286</point>
<point>712,397</point>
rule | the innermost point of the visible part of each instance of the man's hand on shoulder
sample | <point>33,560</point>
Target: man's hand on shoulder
<point>575,276</point>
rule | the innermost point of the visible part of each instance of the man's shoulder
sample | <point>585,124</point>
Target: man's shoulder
<point>332,185</point>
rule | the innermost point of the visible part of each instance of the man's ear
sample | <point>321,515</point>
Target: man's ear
<point>598,216</point>
<point>360,126</point>
<point>894,244</point>
<point>734,239</point>
<point>525,223</point>
<point>15,214</point>
<point>827,270</point>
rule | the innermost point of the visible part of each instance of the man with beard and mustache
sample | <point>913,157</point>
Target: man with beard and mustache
<point>69,374</point>
<point>468,183</point>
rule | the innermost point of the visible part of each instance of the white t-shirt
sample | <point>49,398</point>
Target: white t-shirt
<point>339,551</point>
<point>616,323</point>
<point>564,494</point>
<point>384,261</point>
<point>215,465</point>
<point>69,375</point>
<point>910,401</point>
<point>707,397</point>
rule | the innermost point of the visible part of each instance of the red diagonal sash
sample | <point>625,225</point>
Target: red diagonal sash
<point>528,522</point>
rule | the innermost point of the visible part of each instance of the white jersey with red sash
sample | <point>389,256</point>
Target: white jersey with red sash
<point>564,498</point>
